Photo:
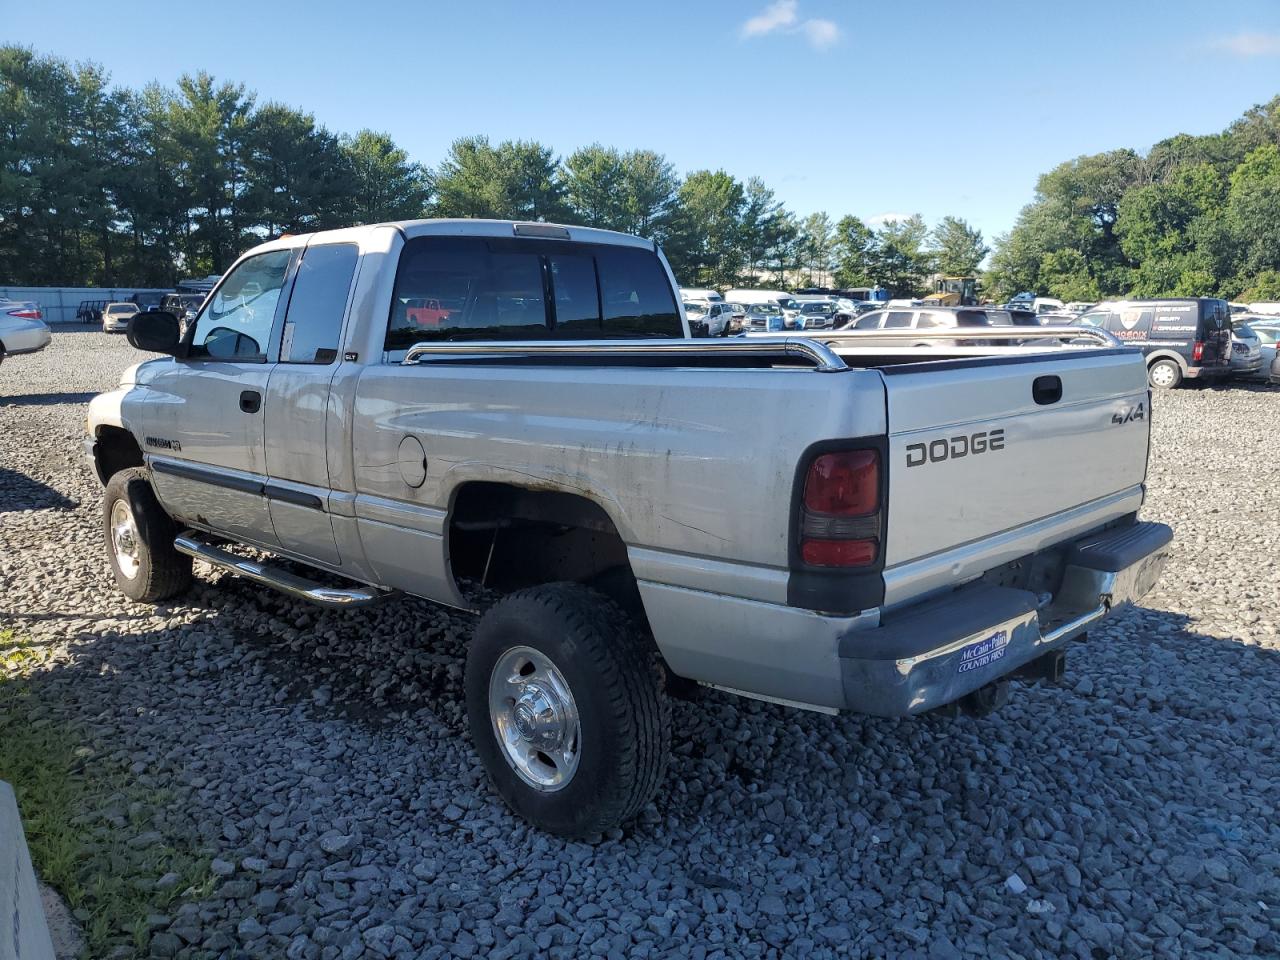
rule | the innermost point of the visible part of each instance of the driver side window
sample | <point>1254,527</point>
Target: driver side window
<point>236,322</point>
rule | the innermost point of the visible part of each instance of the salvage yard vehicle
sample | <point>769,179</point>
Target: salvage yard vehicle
<point>116,316</point>
<point>908,527</point>
<point>1182,339</point>
<point>22,328</point>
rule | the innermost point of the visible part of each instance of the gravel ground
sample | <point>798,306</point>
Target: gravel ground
<point>321,759</point>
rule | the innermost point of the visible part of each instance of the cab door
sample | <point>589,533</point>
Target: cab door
<point>201,416</point>
<point>297,401</point>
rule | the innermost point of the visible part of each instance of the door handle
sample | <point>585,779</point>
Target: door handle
<point>250,401</point>
<point>1046,390</point>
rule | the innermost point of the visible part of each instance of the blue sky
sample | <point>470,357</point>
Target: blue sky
<point>866,108</point>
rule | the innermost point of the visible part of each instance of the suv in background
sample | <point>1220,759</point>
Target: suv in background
<point>1187,338</point>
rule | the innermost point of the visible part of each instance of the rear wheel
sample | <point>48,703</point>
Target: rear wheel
<point>1164,374</point>
<point>567,709</point>
<point>139,537</point>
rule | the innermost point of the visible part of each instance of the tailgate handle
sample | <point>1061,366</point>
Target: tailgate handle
<point>1046,390</point>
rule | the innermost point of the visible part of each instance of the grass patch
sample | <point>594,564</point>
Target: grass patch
<point>80,816</point>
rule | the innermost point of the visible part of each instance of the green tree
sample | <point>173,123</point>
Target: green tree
<point>297,177</point>
<point>1253,209</point>
<point>704,245</point>
<point>516,180</point>
<point>817,247</point>
<point>900,259</point>
<point>855,243</point>
<point>385,183</point>
<point>957,247</point>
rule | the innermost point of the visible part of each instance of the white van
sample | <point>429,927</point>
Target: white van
<point>694,294</point>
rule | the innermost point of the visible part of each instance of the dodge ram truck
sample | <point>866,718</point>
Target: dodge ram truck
<point>890,530</point>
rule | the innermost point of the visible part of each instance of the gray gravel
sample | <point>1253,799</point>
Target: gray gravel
<point>321,759</point>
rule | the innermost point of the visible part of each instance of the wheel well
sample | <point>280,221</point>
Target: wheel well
<point>1154,358</point>
<point>115,450</point>
<point>506,537</point>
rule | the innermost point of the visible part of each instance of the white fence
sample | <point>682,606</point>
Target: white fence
<point>24,933</point>
<point>59,303</point>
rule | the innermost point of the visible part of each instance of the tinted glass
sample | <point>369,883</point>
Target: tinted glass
<point>573,277</point>
<point>973,318</point>
<point>465,288</point>
<point>636,294</point>
<point>869,321</point>
<point>236,322</point>
<point>929,319</point>
<point>313,325</point>
<point>898,318</point>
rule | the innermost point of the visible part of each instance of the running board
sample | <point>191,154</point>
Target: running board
<point>188,542</point>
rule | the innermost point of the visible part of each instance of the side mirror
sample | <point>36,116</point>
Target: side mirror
<point>154,331</point>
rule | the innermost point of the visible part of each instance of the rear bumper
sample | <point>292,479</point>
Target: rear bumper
<point>1206,373</point>
<point>914,658</point>
<point>933,653</point>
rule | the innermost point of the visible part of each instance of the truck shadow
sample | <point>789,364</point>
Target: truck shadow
<point>20,492</point>
<point>44,399</point>
<point>255,687</point>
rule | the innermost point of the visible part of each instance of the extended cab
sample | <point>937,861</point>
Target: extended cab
<point>893,530</point>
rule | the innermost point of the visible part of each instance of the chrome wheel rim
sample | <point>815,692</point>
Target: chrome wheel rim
<point>124,539</point>
<point>535,718</point>
<point>1162,375</point>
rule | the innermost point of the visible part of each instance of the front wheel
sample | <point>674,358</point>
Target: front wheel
<point>1164,374</point>
<point>567,709</point>
<point>139,538</point>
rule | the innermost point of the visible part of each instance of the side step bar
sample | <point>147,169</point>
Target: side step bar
<point>189,542</point>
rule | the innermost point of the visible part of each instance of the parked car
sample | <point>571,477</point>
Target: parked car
<point>716,315</point>
<point>820,315</point>
<point>931,318</point>
<point>696,294</point>
<point>184,306</point>
<point>115,318</point>
<point>1246,351</point>
<point>22,328</point>
<point>862,541</point>
<point>1037,305</point>
<point>1182,339</point>
<point>737,318</point>
<point>1267,330</point>
<point>765,316</point>
<point>1079,307</point>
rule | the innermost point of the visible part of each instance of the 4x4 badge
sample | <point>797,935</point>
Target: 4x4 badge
<point>1137,412</point>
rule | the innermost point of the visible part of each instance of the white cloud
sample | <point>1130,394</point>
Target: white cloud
<point>821,33</point>
<point>782,17</point>
<point>1250,44</point>
<point>880,219</point>
<point>776,16</point>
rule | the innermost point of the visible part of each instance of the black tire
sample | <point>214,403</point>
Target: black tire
<point>616,680</point>
<point>161,571</point>
<point>1170,374</point>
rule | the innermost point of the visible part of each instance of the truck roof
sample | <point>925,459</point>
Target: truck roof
<point>467,227</point>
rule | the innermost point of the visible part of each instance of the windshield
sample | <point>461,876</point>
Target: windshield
<point>696,308</point>
<point>1266,334</point>
<point>819,308</point>
<point>765,309</point>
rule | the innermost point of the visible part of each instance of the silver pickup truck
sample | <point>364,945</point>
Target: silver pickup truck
<point>436,406</point>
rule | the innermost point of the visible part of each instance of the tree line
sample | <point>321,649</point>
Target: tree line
<point>1194,216</point>
<point>106,186</point>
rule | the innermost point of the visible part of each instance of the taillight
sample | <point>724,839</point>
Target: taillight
<point>840,510</point>
<point>26,314</point>
<point>1197,351</point>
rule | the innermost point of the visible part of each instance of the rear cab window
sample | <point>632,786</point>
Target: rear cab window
<point>477,288</point>
<point>313,321</point>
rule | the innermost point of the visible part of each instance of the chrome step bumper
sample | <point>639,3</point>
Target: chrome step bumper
<point>936,652</point>
<point>190,543</point>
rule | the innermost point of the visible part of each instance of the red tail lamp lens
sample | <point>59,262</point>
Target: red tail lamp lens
<point>844,484</point>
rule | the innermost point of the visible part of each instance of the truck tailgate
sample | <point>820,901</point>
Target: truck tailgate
<point>980,447</point>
